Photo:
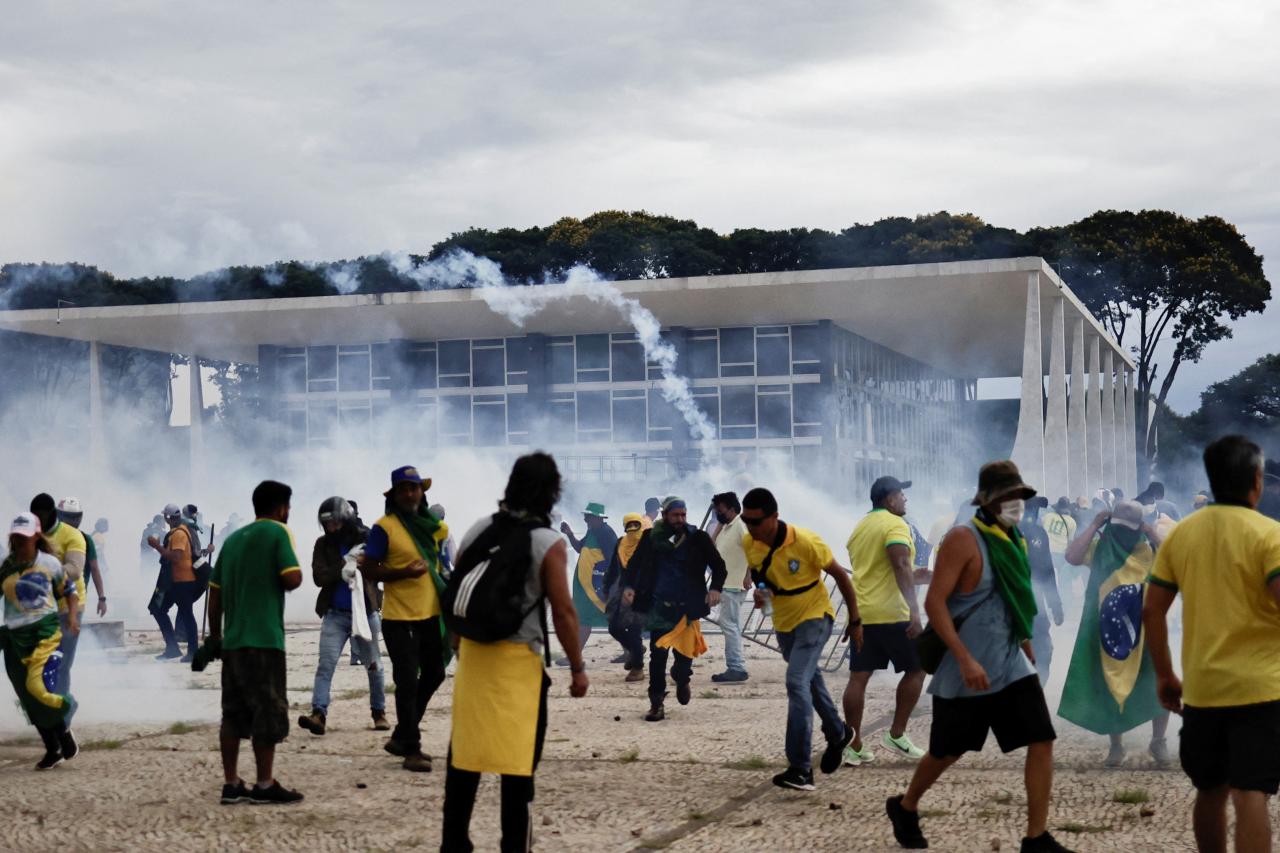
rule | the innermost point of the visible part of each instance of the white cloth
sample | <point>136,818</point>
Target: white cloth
<point>359,619</point>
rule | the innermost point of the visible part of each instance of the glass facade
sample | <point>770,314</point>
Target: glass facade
<point>807,392</point>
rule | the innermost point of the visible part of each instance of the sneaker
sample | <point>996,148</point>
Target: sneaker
<point>906,825</point>
<point>170,653</point>
<point>730,676</point>
<point>634,675</point>
<point>853,757</point>
<point>684,693</point>
<point>1115,756</point>
<point>396,748</point>
<point>1045,843</point>
<point>237,793</point>
<point>314,722</point>
<point>419,763</point>
<point>276,794</point>
<point>835,749</point>
<point>656,714</point>
<point>903,746</point>
<point>188,657</point>
<point>67,741</point>
<point>1159,750</point>
<point>51,760</point>
<point>380,723</point>
<point>795,778</point>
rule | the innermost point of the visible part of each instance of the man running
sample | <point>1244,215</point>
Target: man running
<point>790,562</point>
<point>881,555</point>
<point>981,604</point>
<point>67,544</point>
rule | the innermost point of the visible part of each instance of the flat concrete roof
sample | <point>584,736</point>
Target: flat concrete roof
<point>965,318</point>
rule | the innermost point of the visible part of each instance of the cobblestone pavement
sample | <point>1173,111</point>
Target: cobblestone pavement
<point>608,781</point>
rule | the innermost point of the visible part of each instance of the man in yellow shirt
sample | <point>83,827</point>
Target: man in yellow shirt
<point>789,563</point>
<point>881,553</point>
<point>1225,562</point>
<point>68,546</point>
<point>403,552</point>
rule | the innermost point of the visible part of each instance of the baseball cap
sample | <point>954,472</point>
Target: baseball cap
<point>1127,514</point>
<point>25,524</point>
<point>409,474</point>
<point>71,505</point>
<point>172,511</point>
<point>886,486</point>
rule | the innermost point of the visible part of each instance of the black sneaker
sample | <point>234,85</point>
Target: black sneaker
<point>834,753</point>
<point>170,654</point>
<point>67,741</point>
<point>1045,843</point>
<point>730,676</point>
<point>906,825</point>
<point>397,749</point>
<point>656,714</point>
<point>277,794</point>
<point>237,793</point>
<point>51,760</point>
<point>683,692</point>
<point>795,778</point>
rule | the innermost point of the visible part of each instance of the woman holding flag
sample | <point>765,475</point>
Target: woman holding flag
<point>1111,685</point>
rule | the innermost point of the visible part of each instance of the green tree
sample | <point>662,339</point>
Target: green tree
<point>1247,403</point>
<point>1156,279</point>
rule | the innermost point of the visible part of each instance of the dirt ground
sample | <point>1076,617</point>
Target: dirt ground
<point>149,775</point>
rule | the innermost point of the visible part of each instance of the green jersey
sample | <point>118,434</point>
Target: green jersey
<point>248,577</point>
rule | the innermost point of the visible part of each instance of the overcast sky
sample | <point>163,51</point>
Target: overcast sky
<point>157,137</point>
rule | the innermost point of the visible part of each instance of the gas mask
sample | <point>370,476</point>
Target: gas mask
<point>1011,512</point>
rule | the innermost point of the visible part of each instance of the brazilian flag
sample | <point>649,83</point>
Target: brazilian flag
<point>589,594</point>
<point>1110,686</point>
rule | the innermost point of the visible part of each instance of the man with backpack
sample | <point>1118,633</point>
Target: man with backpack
<point>509,566</point>
<point>403,553</point>
<point>668,583</point>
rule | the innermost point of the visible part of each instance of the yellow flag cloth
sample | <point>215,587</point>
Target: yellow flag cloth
<point>685,638</point>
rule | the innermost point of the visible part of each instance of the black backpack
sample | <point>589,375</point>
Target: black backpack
<point>483,598</point>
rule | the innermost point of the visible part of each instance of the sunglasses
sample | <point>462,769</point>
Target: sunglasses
<point>754,522</point>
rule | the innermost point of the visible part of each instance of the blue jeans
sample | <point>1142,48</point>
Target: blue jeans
<point>806,691</point>
<point>68,648</point>
<point>731,624</point>
<point>335,630</point>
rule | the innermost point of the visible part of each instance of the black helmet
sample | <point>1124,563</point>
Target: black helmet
<point>336,509</point>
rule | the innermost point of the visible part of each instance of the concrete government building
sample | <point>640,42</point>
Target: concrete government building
<point>845,373</point>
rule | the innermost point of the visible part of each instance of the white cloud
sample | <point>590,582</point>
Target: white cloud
<point>154,138</point>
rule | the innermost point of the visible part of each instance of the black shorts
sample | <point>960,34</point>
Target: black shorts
<point>883,645</point>
<point>1018,715</point>
<point>1237,746</point>
<point>255,705</point>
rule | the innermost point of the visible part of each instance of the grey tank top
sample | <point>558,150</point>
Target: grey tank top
<point>987,633</point>
<point>544,538</point>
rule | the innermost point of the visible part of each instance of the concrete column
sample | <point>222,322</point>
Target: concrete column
<point>1077,431</point>
<point>1122,432</point>
<point>1028,444</point>
<point>195,398</point>
<point>97,437</point>
<point>1093,413</point>
<point>1057,443</point>
<point>1108,420</point>
<point>1131,436</point>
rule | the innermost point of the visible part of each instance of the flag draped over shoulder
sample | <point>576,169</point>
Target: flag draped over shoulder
<point>1110,687</point>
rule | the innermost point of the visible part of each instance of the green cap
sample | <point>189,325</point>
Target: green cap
<point>595,509</point>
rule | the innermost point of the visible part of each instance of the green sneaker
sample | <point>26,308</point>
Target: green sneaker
<point>853,757</point>
<point>903,746</point>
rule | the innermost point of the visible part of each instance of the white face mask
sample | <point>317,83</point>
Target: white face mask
<point>1011,512</point>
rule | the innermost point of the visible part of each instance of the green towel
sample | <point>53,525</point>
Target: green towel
<point>1012,572</point>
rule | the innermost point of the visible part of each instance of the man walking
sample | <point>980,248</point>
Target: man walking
<point>595,553</point>
<point>177,585</point>
<point>403,553</point>
<point>730,531</point>
<point>790,561</point>
<point>1225,562</point>
<point>668,583</point>
<point>881,555</point>
<point>982,606</point>
<point>257,566</point>
<point>1044,581</point>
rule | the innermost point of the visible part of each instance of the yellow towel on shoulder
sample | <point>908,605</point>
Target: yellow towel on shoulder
<point>685,638</point>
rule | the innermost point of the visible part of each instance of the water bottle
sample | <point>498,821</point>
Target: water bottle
<point>767,595</point>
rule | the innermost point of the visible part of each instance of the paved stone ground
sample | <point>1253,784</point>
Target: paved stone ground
<point>608,781</point>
